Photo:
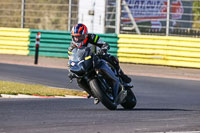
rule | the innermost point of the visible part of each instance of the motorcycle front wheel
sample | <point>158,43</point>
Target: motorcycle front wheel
<point>101,95</point>
<point>130,100</point>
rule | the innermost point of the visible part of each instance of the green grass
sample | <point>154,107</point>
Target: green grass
<point>14,88</point>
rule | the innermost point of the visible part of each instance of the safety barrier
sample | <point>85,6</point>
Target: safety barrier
<point>14,41</point>
<point>160,50</point>
<point>56,43</point>
<point>52,43</point>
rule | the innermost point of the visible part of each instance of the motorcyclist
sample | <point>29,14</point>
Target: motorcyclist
<point>81,37</point>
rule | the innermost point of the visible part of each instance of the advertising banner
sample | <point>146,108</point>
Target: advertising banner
<point>147,10</point>
<point>155,12</point>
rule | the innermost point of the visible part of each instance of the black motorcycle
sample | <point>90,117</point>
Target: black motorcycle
<point>99,79</point>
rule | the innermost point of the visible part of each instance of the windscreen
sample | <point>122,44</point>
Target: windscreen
<point>77,54</point>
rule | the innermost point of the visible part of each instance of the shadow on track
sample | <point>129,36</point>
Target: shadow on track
<point>154,109</point>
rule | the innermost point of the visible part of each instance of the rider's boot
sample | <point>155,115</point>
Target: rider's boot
<point>115,62</point>
<point>125,79</point>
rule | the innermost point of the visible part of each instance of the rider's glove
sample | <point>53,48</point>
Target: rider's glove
<point>72,46</point>
<point>102,51</point>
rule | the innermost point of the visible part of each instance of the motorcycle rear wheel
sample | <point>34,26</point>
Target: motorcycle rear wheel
<point>101,95</point>
<point>130,101</point>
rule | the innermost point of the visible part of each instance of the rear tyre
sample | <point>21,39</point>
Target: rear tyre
<point>130,101</point>
<point>101,95</point>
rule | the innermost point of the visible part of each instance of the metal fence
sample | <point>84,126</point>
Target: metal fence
<point>154,17</point>
<point>39,14</point>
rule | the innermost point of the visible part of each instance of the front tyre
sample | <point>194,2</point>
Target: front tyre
<point>101,95</point>
<point>130,100</point>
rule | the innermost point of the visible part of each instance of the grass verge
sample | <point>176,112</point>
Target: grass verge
<point>14,88</point>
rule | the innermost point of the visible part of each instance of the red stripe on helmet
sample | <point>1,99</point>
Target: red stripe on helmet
<point>80,29</point>
<point>85,29</point>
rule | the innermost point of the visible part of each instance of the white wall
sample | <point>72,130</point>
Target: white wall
<point>94,23</point>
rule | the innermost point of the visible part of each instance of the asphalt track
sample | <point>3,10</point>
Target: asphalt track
<point>164,105</point>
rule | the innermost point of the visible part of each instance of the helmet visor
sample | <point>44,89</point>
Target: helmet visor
<point>78,38</point>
